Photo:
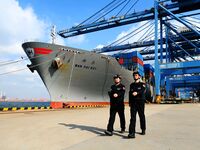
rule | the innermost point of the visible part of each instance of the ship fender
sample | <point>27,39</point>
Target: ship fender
<point>57,63</point>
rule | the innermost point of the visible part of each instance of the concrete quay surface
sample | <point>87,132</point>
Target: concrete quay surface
<point>169,127</point>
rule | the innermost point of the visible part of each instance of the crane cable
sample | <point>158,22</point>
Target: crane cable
<point>17,70</point>
<point>127,35</point>
<point>131,7</point>
<point>19,60</point>
<point>101,15</point>
<point>96,13</point>
<point>149,30</point>
<point>131,36</point>
<point>188,21</point>
<point>107,9</point>
<point>123,8</point>
<point>111,10</point>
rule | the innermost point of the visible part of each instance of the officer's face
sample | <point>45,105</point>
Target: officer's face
<point>117,80</point>
<point>136,76</point>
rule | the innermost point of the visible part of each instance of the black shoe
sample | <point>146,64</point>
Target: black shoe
<point>122,131</point>
<point>143,132</point>
<point>108,133</point>
<point>132,135</point>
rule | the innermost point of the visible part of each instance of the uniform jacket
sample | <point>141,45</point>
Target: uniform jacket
<point>138,87</point>
<point>120,90</point>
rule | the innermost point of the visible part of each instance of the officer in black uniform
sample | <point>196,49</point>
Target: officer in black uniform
<point>116,105</point>
<point>136,103</point>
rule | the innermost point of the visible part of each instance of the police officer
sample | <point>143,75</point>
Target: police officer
<point>116,105</point>
<point>136,103</point>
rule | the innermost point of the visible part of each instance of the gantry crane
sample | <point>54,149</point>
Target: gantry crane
<point>177,45</point>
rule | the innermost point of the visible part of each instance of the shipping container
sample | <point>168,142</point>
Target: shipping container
<point>137,60</point>
<point>132,61</point>
<point>130,55</point>
<point>148,67</point>
<point>121,61</point>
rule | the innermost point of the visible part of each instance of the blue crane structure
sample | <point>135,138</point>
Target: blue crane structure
<point>171,76</point>
<point>171,47</point>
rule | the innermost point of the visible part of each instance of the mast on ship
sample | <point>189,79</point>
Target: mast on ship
<point>53,34</point>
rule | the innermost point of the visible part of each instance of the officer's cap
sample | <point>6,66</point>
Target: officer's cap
<point>136,72</point>
<point>117,76</point>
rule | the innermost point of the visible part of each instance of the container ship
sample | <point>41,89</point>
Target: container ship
<point>74,76</point>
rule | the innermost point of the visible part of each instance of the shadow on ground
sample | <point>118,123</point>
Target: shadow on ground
<point>95,130</point>
<point>92,129</point>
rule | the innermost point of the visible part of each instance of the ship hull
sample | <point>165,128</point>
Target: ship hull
<point>74,75</point>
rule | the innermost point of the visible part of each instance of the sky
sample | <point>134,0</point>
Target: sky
<point>31,20</point>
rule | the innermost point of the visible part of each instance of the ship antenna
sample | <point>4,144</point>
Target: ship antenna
<point>53,34</point>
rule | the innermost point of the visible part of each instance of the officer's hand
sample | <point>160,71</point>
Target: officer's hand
<point>115,95</point>
<point>134,93</point>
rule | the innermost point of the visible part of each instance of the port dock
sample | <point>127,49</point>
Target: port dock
<point>163,45</point>
<point>168,127</point>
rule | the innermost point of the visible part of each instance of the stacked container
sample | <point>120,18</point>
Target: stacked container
<point>132,61</point>
<point>149,71</point>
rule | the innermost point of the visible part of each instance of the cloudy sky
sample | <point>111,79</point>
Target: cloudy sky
<point>31,20</point>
